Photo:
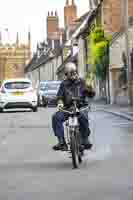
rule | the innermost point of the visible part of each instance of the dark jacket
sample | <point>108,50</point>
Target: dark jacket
<point>69,89</point>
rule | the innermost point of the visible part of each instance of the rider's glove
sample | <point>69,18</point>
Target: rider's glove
<point>60,105</point>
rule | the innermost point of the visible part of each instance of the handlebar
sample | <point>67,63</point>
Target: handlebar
<point>78,110</point>
<point>76,98</point>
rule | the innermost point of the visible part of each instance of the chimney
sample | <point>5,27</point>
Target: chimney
<point>73,3</point>
<point>67,2</point>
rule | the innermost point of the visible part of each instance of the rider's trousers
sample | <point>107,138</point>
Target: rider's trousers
<point>60,117</point>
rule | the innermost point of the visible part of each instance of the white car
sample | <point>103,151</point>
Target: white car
<point>17,93</point>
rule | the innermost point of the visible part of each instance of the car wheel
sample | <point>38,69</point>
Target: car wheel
<point>38,101</point>
<point>35,109</point>
<point>44,102</point>
<point>44,105</point>
<point>1,110</point>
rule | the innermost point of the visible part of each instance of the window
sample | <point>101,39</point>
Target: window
<point>17,85</point>
<point>130,20</point>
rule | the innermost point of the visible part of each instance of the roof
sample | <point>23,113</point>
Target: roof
<point>118,34</point>
<point>81,18</point>
<point>87,18</point>
<point>79,28</point>
<point>36,62</point>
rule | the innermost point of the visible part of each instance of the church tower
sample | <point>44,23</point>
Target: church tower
<point>70,13</point>
<point>29,44</point>
<point>29,39</point>
<point>14,57</point>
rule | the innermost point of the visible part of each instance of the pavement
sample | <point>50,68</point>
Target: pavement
<point>124,111</point>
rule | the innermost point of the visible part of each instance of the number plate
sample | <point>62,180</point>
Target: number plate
<point>73,121</point>
<point>18,93</point>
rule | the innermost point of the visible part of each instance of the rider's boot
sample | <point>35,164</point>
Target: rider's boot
<point>61,146</point>
<point>86,143</point>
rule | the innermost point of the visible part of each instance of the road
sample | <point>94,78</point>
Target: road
<point>30,170</point>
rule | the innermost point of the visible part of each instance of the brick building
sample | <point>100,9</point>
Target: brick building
<point>112,14</point>
<point>55,34</point>
<point>70,14</point>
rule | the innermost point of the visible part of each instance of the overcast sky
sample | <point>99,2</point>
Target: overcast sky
<point>20,15</point>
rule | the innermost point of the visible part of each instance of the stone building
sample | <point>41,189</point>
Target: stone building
<point>117,50</point>
<point>44,67</point>
<point>13,58</point>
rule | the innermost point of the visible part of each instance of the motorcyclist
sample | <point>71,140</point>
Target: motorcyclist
<point>73,85</point>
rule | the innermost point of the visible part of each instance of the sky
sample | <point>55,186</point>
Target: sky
<point>23,15</point>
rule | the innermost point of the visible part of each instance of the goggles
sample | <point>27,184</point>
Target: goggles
<point>72,73</point>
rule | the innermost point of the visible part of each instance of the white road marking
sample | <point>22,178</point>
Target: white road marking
<point>3,142</point>
<point>122,124</point>
<point>98,154</point>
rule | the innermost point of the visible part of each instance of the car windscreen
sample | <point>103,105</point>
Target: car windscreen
<point>17,85</point>
<point>52,86</point>
<point>42,86</point>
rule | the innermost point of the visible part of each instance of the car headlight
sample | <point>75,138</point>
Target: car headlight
<point>40,97</point>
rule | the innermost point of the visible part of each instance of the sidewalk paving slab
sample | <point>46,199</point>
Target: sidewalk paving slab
<point>124,111</point>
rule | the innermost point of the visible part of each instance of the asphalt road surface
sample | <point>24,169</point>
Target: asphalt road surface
<point>31,170</point>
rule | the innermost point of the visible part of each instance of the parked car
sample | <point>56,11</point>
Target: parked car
<point>17,93</point>
<point>50,92</point>
<point>40,91</point>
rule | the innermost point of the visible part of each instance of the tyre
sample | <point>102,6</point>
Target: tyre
<point>35,109</point>
<point>80,150</point>
<point>80,158</point>
<point>44,102</point>
<point>1,110</point>
<point>44,105</point>
<point>38,101</point>
<point>75,151</point>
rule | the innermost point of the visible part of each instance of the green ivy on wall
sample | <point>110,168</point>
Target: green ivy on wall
<point>99,54</point>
